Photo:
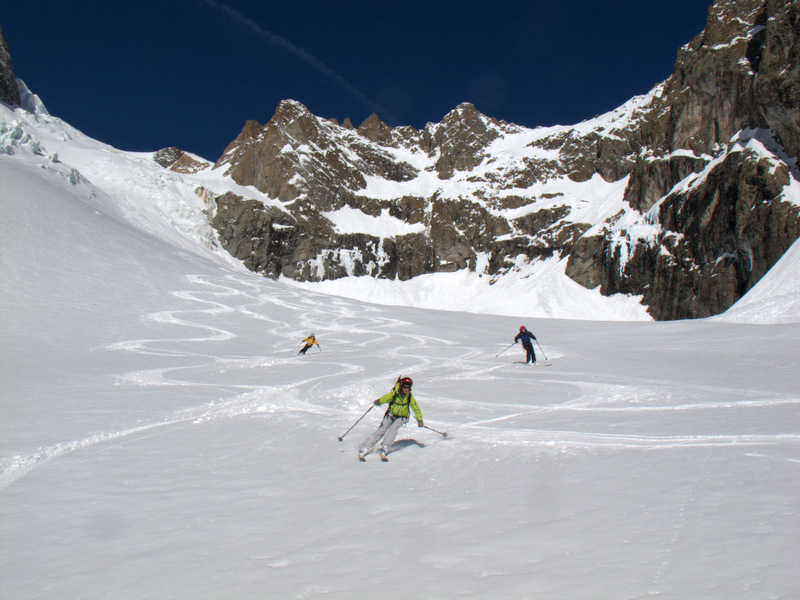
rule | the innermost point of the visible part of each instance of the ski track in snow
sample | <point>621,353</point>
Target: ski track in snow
<point>680,523</point>
<point>217,297</point>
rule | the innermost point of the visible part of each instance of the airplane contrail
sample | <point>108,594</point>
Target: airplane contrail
<point>303,55</point>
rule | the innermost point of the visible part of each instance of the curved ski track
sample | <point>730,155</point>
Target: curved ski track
<point>353,331</point>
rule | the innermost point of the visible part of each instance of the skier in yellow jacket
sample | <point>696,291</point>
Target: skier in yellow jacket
<point>400,400</point>
<point>310,341</point>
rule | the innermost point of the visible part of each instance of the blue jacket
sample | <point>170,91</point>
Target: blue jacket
<point>526,337</point>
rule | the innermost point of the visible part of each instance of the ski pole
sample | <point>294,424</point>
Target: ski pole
<point>441,433</point>
<point>496,355</point>
<point>341,437</point>
<point>540,348</point>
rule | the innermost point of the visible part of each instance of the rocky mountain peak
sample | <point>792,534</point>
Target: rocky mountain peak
<point>375,130</point>
<point>461,139</point>
<point>297,156</point>
<point>729,24</point>
<point>297,123</point>
<point>742,70</point>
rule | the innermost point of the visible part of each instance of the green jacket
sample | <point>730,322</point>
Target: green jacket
<point>401,403</point>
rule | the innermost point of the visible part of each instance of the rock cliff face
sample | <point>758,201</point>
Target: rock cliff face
<point>718,158</point>
<point>9,92</point>
<point>685,196</point>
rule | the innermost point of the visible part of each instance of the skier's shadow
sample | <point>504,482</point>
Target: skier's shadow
<point>403,444</point>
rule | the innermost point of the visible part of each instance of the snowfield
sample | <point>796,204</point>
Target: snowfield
<point>160,437</point>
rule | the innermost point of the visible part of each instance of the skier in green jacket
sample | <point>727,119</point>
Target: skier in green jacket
<point>400,400</point>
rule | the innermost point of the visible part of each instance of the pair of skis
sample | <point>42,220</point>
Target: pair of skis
<point>363,457</point>
<point>383,453</point>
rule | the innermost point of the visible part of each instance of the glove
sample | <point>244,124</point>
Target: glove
<point>377,403</point>
<point>419,423</point>
<point>534,337</point>
<point>516,341</point>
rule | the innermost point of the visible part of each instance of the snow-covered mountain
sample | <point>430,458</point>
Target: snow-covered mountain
<point>685,196</point>
<point>160,438</point>
<point>674,205</point>
<point>177,204</point>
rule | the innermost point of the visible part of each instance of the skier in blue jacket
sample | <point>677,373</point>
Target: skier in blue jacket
<point>527,342</point>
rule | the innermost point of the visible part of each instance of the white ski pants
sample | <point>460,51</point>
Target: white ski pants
<point>387,430</point>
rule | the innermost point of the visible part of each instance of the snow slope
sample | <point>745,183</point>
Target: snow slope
<point>160,438</point>
<point>775,298</point>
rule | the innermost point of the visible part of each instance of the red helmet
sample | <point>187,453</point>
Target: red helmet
<point>406,381</point>
<point>522,328</point>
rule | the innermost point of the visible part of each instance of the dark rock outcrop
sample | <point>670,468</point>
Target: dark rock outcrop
<point>716,239</point>
<point>9,92</point>
<point>177,160</point>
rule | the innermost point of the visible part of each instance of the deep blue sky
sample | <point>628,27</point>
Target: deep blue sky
<point>145,74</point>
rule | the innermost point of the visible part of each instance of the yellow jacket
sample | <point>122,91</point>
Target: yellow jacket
<point>311,340</point>
<point>400,404</point>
